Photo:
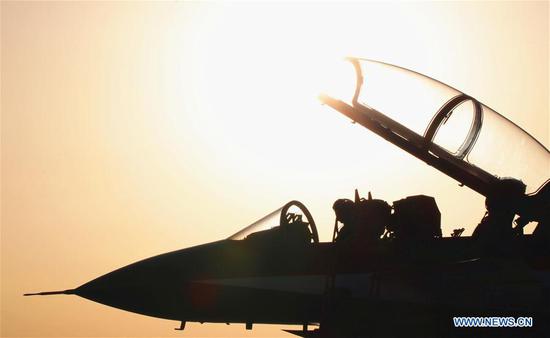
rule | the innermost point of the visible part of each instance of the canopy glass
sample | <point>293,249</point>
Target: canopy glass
<point>443,118</point>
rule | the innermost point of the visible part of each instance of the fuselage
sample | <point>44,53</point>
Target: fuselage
<point>264,282</point>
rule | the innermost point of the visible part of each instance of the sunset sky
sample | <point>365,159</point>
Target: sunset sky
<point>131,129</point>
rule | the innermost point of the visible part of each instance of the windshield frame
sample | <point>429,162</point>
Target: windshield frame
<point>283,221</point>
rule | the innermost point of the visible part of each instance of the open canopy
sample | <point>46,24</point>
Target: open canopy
<point>444,123</point>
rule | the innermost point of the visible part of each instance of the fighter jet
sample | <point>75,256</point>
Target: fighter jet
<point>388,271</point>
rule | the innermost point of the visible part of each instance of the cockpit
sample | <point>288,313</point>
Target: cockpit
<point>441,126</point>
<point>360,221</point>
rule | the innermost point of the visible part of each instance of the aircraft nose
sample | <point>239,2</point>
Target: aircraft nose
<point>163,286</point>
<point>144,287</point>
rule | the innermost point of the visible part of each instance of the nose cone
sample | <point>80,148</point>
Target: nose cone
<point>171,285</point>
<point>151,287</point>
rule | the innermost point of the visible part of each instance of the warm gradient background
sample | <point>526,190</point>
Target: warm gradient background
<point>132,129</point>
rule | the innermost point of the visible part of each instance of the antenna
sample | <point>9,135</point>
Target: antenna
<point>48,293</point>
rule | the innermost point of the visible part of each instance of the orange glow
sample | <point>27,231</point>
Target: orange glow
<point>132,129</point>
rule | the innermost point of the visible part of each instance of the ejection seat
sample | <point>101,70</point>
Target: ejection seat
<point>363,221</point>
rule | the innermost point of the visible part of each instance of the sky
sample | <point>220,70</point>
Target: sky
<point>129,129</point>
